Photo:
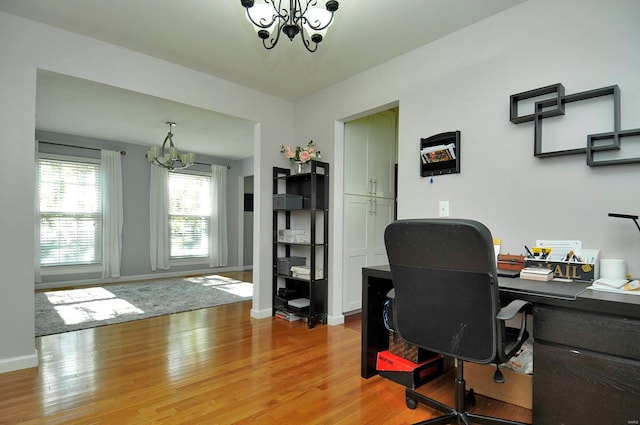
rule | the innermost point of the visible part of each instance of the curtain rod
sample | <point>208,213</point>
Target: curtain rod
<point>204,163</point>
<point>96,149</point>
<point>79,147</point>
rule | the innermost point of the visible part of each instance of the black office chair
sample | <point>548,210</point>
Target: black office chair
<point>446,300</point>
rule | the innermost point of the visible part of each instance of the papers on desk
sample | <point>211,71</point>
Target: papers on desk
<point>620,286</point>
<point>610,283</point>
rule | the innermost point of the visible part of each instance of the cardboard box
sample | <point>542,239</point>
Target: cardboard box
<point>517,387</point>
<point>407,373</point>
<point>402,348</point>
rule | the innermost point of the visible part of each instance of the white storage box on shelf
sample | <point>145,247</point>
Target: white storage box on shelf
<point>304,272</point>
<point>293,236</point>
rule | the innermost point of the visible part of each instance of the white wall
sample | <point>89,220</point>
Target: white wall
<point>463,82</point>
<point>26,46</point>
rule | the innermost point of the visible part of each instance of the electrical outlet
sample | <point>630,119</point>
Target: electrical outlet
<point>444,209</point>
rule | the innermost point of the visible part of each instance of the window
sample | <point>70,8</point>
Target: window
<point>70,212</point>
<point>189,215</point>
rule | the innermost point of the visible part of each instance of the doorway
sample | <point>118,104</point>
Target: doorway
<point>247,226</point>
<point>370,155</point>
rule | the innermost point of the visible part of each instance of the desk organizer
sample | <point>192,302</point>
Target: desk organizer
<point>586,271</point>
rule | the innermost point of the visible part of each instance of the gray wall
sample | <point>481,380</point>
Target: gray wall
<point>135,177</point>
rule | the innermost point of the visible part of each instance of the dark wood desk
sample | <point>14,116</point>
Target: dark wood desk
<point>586,347</point>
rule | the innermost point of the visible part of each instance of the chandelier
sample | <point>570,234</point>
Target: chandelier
<point>172,159</point>
<point>302,16</point>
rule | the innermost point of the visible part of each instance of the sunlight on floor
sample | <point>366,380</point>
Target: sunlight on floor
<point>84,305</point>
<point>227,284</point>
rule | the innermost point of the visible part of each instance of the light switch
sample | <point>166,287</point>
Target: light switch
<point>444,209</point>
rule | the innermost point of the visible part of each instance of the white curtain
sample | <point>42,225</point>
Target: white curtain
<point>159,218</point>
<point>36,236</point>
<point>218,249</point>
<point>112,212</point>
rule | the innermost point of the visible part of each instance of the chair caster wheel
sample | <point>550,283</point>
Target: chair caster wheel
<point>411,403</point>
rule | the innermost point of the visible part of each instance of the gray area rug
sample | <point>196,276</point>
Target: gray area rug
<point>74,309</point>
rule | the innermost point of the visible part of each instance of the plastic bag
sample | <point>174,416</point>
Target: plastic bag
<point>522,361</point>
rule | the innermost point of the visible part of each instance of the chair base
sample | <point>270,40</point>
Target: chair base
<point>457,415</point>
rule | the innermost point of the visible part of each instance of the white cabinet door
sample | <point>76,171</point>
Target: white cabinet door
<point>370,155</point>
<point>356,249</point>
<point>382,152</point>
<point>365,221</point>
<point>356,174</point>
<point>382,216</point>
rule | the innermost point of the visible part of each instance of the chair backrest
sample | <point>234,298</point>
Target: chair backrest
<point>446,287</point>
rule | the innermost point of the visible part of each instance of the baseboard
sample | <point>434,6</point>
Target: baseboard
<point>261,314</point>
<point>124,279</point>
<point>20,362</point>
<point>335,320</point>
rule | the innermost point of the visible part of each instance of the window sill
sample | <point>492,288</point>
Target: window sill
<point>189,261</point>
<point>62,270</point>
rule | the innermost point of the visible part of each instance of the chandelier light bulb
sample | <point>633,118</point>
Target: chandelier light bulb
<point>304,17</point>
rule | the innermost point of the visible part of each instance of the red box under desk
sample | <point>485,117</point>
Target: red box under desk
<point>406,372</point>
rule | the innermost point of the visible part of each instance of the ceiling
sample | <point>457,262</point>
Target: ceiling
<point>214,37</point>
<point>75,106</point>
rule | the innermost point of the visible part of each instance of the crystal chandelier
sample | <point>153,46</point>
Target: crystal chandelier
<point>172,159</point>
<point>270,19</point>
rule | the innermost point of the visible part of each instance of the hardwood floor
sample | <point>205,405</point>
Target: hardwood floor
<point>212,366</point>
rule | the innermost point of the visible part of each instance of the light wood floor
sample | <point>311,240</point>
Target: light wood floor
<point>212,366</point>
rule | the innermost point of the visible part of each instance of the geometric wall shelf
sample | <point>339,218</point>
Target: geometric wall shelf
<point>516,99</point>
<point>606,142</point>
<point>539,150</point>
<point>601,148</point>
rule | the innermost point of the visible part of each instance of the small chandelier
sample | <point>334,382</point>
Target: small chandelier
<point>310,20</point>
<point>173,160</point>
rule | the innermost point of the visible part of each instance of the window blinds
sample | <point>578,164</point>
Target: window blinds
<point>70,212</point>
<point>189,215</point>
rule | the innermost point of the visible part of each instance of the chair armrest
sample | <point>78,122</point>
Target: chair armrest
<point>509,312</point>
<point>514,307</point>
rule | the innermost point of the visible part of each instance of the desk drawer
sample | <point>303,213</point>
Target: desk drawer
<point>572,388</point>
<point>613,335</point>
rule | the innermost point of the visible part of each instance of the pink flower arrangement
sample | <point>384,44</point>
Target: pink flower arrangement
<point>301,154</point>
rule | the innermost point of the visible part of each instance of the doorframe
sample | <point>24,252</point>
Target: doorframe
<point>336,290</point>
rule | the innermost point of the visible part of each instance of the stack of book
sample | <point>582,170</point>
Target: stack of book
<point>289,317</point>
<point>536,273</point>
